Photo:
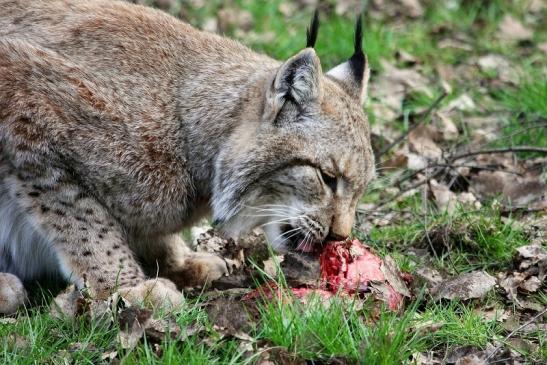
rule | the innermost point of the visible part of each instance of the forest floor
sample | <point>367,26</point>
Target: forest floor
<point>458,109</point>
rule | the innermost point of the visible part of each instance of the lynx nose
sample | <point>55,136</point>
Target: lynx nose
<point>341,227</point>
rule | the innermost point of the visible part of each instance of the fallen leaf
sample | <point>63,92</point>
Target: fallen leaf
<point>17,342</point>
<point>412,8</point>
<point>466,286</point>
<point>430,276</point>
<point>445,125</point>
<point>463,103</point>
<point>422,141</point>
<point>231,316</point>
<point>510,29</point>
<point>229,18</point>
<point>492,62</point>
<point>158,329</point>
<point>70,303</point>
<point>278,356</point>
<point>393,84</point>
<point>530,255</point>
<point>300,270</point>
<point>133,322</point>
<point>518,192</point>
<point>445,199</point>
<point>426,358</point>
<point>394,277</point>
<point>470,360</point>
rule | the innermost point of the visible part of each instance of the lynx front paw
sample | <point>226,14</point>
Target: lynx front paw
<point>12,293</point>
<point>199,269</point>
<point>154,293</point>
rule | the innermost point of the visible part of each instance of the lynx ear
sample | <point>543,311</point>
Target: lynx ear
<point>353,74</point>
<point>298,80</point>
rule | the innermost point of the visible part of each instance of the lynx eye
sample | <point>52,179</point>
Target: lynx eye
<point>329,180</point>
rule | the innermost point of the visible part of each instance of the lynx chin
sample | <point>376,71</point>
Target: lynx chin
<point>121,125</point>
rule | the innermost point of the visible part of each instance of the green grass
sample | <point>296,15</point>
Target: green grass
<point>458,325</point>
<point>316,330</point>
<point>529,97</point>
<point>464,241</point>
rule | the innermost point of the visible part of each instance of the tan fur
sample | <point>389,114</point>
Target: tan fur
<point>120,125</point>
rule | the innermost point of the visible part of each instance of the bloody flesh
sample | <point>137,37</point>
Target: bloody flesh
<point>348,268</point>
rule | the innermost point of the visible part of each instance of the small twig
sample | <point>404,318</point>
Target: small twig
<point>499,150</point>
<point>497,348</point>
<point>413,186</point>
<point>413,126</point>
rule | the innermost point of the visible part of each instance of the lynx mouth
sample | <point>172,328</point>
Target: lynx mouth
<point>297,241</point>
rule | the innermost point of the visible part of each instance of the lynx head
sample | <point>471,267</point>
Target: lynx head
<point>301,168</point>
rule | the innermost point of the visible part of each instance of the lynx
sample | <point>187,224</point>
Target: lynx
<point>121,125</point>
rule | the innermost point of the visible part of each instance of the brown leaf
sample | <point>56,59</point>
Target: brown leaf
<point>463,103</point>
<point>70,303</point>
<point>506,72</point>
<point>158,329</point>
<point>229,18</point>
<point>512,30</point>
<point>133,322</point>
<point>422,141</point>
<point>466,286</point>
<point>444,198</point>
<point>523,192</point>
<point>278,356</point>
<point>430,276</point>
<point>231,316</point>
<point>393,84</point>
<point>445,125</point>
<point>393,276</point>
<point>300,270</point>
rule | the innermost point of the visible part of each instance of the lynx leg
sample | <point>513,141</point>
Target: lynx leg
<point>87,243</point>
<point>185,267</point>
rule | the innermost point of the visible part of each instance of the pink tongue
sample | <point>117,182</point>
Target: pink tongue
<point>305,246</point>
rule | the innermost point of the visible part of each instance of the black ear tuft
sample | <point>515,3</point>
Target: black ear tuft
<point>311,31</point>
<point>358,60</point>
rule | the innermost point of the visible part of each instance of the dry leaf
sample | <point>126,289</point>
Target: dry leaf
<point>471,360</point>
<point>393,84</point>
<point>430,276</point>
<point>234,18</point>
<point>444,198</point>
<point>393,276</point>
<point>70,303</point>
<point>512,30</point>
<point>412,8</point>
<point>506,72</point>
<point>133,322</point>
<point>519,192</point>
<point>463,103</point>
<point>427,358</point>
<point>446,126</point>
<point>466,286</point>
<point>421,141</point>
